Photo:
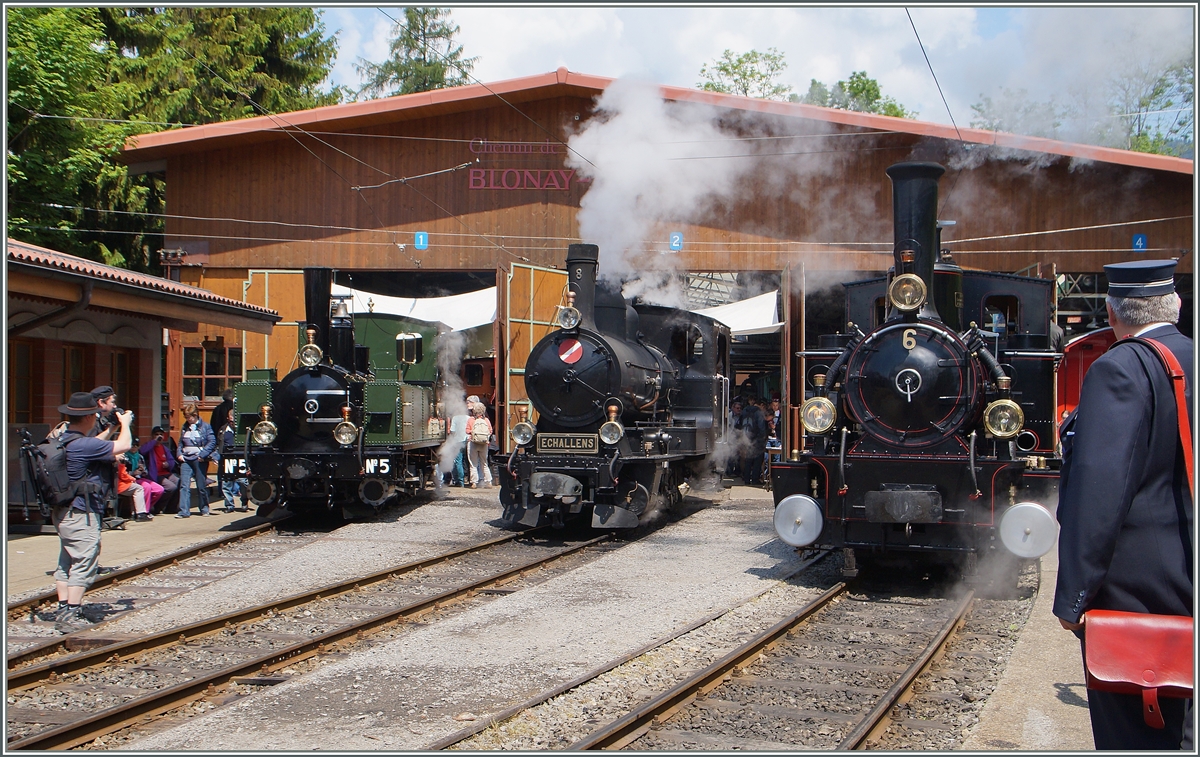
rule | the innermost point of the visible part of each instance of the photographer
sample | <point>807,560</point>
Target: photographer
<point>107,422</point>
<point>92,460</point>
<point>159,459</point>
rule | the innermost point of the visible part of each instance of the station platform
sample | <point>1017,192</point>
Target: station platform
<point>30,559</point>
<point>1040,702</point>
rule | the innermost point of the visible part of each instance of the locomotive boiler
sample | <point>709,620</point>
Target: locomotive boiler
<point>337,433</point>
<point>930,422</point>
<point>629,402</point>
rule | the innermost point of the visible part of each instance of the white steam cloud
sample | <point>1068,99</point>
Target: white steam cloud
<point>651,164</point>
<point>451,346</point>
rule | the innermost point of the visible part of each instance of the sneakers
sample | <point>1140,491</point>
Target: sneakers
<point>143,517</point>
<point>179,515</point>
<point>71,619</point>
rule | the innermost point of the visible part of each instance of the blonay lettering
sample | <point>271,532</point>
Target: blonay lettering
<point>521,178</point>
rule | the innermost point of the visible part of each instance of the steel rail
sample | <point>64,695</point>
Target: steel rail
<point>877,719</point>
<point>626,729</point>
<point>30,674</point>
<point>114,718</point>
<point>150,565</point>
<point>505,714</point>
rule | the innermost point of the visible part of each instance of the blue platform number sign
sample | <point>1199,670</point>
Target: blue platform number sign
<point>421,240</point>
<point>676,241</point>
<point>1139,242</point>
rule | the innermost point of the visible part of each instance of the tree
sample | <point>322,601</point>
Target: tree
<point>423,57</point>
<point>859,93</point>
<point>201,65</point>
<point>1148,108</point>
<point>751,74</point>
<point>1156,108</point>
<point>62,130</point>
<point>83,80</point>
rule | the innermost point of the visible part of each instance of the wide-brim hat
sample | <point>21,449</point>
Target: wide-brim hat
<point>80,404</point>
<point>1141,278</point>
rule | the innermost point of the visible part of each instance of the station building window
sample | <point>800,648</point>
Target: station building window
<point>209,371</point>
<point>72,371</point>
<point>120,376</point>
<point>20,381</point>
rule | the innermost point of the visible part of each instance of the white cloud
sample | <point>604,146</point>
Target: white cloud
<point>974,51</point>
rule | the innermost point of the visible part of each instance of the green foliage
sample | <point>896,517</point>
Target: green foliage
<point>82,80</point>
<point>751,74</point>
<point>1158,111</point>
<point>859,93</point>
<point>1147,108</point>
<point>423,57</point>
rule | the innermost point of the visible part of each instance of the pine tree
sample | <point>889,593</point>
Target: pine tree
<point>424,56</point>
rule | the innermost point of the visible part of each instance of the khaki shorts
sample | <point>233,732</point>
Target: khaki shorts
<point>79,537</point>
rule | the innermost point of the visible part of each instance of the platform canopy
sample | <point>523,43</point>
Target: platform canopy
<point>458,311</point>
<point>756,315</point>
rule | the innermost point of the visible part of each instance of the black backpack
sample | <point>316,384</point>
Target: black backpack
<point>53,484</point>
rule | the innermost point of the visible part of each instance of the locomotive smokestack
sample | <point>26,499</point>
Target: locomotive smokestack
<point>582,261</point>
<point>914,214</point>
<point>318,283</point>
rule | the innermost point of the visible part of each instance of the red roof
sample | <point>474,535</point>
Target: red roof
<point>28,254</point>
<point>150,147</point>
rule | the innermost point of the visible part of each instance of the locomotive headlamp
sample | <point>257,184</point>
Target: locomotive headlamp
<point>611,432</point>
<point>264,432</point>
<point>310,354</point>
<point>345,432</point>
<point>817,415</point>
<point>568,317</point>
<point>1003,419</point>
<point>522,433</point>
<point>907,292</point>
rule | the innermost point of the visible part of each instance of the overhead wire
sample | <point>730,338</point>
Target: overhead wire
<point>962,143</point>
<point>495,94</point>
<point>758,243</point>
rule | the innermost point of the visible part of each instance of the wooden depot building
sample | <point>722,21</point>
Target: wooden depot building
<point>459,189</point>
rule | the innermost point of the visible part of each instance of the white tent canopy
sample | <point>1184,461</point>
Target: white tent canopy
<point>458,311</point>
<point>756,315</point>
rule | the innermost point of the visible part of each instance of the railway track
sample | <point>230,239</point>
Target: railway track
<point>826,677</point>
<point>30,630</point>
<point>225,657</point>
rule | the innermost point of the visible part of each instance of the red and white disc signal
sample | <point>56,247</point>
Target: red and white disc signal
<point>570,351</point>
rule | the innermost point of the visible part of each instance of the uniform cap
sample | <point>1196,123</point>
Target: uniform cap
<point>1141,278</point>
<point>102,392</point>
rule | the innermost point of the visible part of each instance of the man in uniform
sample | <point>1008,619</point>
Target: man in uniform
<point>1125,505</point>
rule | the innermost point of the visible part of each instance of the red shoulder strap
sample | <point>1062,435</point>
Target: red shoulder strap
<point>1178,381</point>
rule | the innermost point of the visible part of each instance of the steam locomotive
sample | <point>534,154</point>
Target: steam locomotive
<point>630,402</point>
<point>928,432</point>
<point>336,434</point>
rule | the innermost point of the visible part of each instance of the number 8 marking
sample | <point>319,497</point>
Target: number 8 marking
<point>910,339</point>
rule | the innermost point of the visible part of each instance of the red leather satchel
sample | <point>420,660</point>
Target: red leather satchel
<point>1139,653</point>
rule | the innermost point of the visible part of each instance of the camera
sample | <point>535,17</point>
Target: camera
<point>108,421</point>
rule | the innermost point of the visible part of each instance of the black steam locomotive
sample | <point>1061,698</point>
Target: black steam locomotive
<point>933,430</point>
<point>337,433</point>
<point>631,402</point>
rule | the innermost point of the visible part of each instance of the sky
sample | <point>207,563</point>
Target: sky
<point>974,51</point>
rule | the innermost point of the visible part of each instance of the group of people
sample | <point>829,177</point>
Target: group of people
<point>472,435</point>
<point>104,461</point>
<point>754,424</point>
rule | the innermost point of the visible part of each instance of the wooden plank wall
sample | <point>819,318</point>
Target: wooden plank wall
<point>822,199</point>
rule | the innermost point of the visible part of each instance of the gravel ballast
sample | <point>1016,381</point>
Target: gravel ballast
<point>434,679</point>
<point>400,536</point>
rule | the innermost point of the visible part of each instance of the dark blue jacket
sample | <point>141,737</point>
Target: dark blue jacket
<point>1124,507</point>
